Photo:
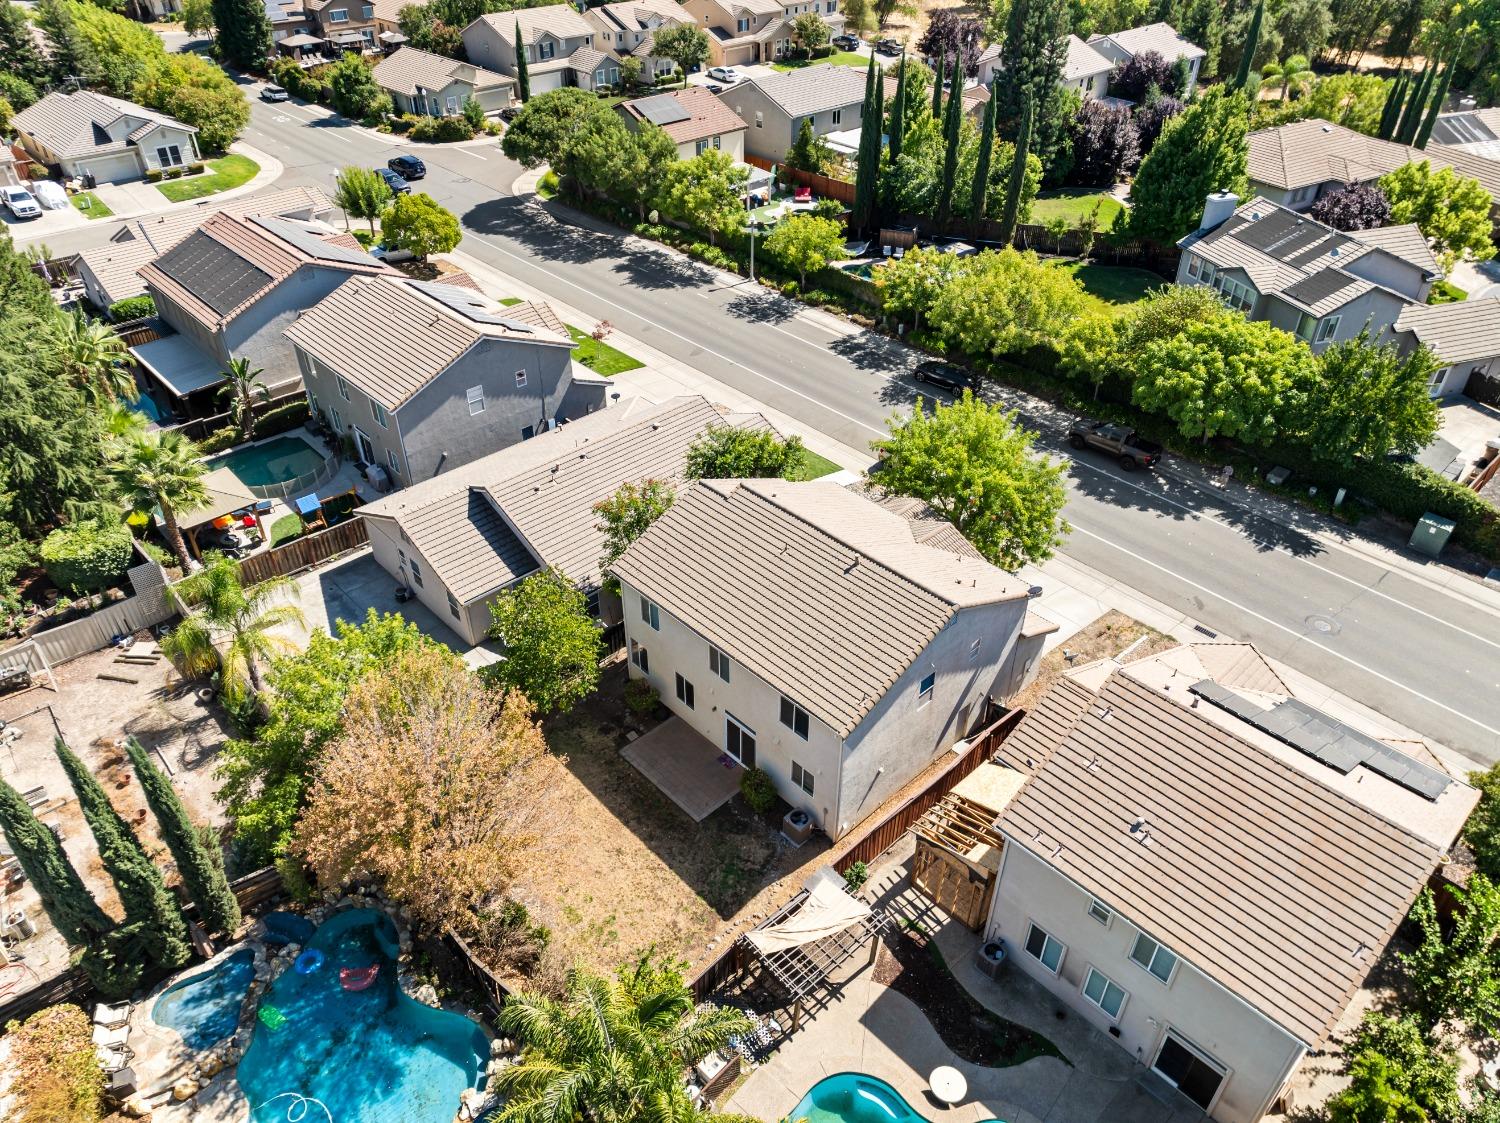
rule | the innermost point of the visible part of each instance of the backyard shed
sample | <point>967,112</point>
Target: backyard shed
<point>958,848</point>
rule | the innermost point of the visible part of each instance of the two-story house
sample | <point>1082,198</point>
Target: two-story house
<point>693,118</point>
<point>773,108</point>
<point>231,288</point>
<point>559,43</point>
<point>432,85</point>
<point>836,641</point>
<point>1084,68</point>
<point>86,134</point>
<point>354,25</point>
<point>1206,867</point>
<point>629,28</point>
<point>1322,284</point>
<point>1162,38</point>
<point>426,377</point>
<point>458,539</point>
<point>742,32</point>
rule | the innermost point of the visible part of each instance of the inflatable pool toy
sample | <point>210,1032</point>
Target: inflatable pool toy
<point>272,1018</point>
<point>358,978</point>
<point>309,961</point>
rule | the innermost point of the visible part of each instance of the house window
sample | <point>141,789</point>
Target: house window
<point>1100,912</point>
<point>520,379</point>
<point>638,657</point>
<point>453,607</point>
<point>700,148</point>
<point>1194,264</point>
<point>685,692</point>
<point>838,116</point>
<point>718,662</point>
<point>1104,993</point>
<point>1044,949</point>
<point>413,568</point>
<point>925,689</point>
<point>367,11</point>
<point>1435,386</point>
<point>1208,272</point>
<point>759,119</point>
<point>338,422</point>
<point>1153,957</point>
<point>831,7</point>
<point>794,717</point>
<point>802,778</point>
<point>527,432</point>
<point>342,385</point>
<point>390,459</point>
<point>1326,328</point>
<point>339,15</point>
<point>377,411</point>
<point>739,740</point>
<point>545,50</point>
<point>651,614</point>
<point>169,155</point>
<point>475,396</point>
<point>452,103</point>
<point>742,24</point>
<point>974,649</point>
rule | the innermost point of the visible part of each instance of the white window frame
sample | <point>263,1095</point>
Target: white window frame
<point>367,11</point>
<point>412,567</point>
<point>718,662</point>
<point>742,24</point>
<point>926,688</point>
<point>838,116</point>
<point>452,103</point>
<point>1100,913</point>
<point>1327,326</point>
<point>1194,265</point>
<point>639,657</point>
<point>651,614</point>
<point>760,122</point>
<point>343,386</point>
<point>169,155</point>
<point>802,778</point>
<point>520,379</point>
<point>377,411</point>
<point>1048,941</point>
<point>390,459</point>
<point>974,648</point>
<point>1149,964</point>
<point>474,395</point>
<point>799,717</point>
<point>1088,981</point>
<point>338,15</point>
<point>453,606</point>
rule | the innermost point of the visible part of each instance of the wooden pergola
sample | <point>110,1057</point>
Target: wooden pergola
<point>958,856</point>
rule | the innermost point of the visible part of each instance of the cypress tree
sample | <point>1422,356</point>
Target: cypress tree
<point>1252,44</point>
<point>148,904</point>
<point>937,89</point>
<point>980,189</point>
<point>951,130</point>
<point>1017,174</point>
<point>867,170</point>
<point>73,911</point>
<point>898,110</point>
<point>1439,96</point>
<point>201,874</point>
<point>1391,113</point>
<point>523,76</point>
<point>1411,116</point>
<point>242,32</point>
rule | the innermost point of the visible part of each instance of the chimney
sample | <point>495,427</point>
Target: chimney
<point>1217,208</point>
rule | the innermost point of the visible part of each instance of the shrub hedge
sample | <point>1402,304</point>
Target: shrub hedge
<point>441,130</point>
<point>758,789</point>
<point>132,308</point>
<point>87,556</point>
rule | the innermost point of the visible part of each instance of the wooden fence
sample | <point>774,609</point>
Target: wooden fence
<point>199,427</point>
<point>306,552</point>
<point>839,189</point>
<point>133,333</point>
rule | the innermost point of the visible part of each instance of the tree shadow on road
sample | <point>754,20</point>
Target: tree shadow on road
<point>758,306</point>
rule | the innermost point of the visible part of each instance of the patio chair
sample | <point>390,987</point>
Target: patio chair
<point>112,1038</point>
<point>802,195</point>
<point>111,1016</point>
<point>900,252</point>
<point>885,251</point>
<point>114,1060</point>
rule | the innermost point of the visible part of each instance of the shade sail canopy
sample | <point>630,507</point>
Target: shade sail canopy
<point>827,911</point>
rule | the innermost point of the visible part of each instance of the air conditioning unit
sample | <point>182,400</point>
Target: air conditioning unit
<point>797,825</point>
<point>990,957</point>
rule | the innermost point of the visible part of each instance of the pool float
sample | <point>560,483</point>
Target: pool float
<point>272,1018</point>
<point>309,961</point>
<point>358,978</point>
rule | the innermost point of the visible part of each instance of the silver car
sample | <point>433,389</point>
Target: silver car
<point>20,202</point>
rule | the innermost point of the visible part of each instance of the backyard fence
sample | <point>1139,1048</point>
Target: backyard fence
<point>147,608</point>
<point>305,552</point>
<point>288,488</point>
<point>839,189</point>
<point>200,427</point>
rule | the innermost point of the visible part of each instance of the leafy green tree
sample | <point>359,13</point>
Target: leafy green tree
<point>1452,976</point>
<point>361,193</point>
<point>161,472</point>
<point>1482,830</point>
<point>92,356</point>
<point>1229,377</point>
<point>896,126</point>
<point>244,32</point>
<point>198,92</point>
<point>705,192</point>
<point>1203,24</point>
<point>1012,212</point>
<point>23,60</point>
<point>1435,106</point>
<point>353,88</point>
<point>938,84</point>
<point>417,223</point>
<point>1200,151</point>
<point>1356,101</point>
<point>806,243</point>
<point>809,31</point>
<point>1363,401</point>
<point>628,513</point>
<point>201,874</point>
<point>1390,115</point>
<point>112,53</point>
<point>1030,68</point>
<point>265,776</point>
<point>523,70</point>
<point>243,388</point>
<point>1416,105</point>
<point>1374,1095</point>
<point>542,130</point>
<point>630,72</point>
<point>724,452</point>
<point>232,630</point>
<point>975,465</point>
<point>143,894</point>
<point>198,17</point>
<point>1452,211</point>
<point>810,152</point>
<point>611,1050</point>
<point>473,113</point>
<point>1398,1071</point>
<point>88,555</point>
<point>686,44</point>
<point>66,900</point>
<point>912,285</point>
<point>1004,302</point>
<point>603,155</point>
<point>552,645</point>
<point>885,9</point>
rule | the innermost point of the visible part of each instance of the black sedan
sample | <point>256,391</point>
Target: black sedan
<point>943,376</point>
<point>846,42</point>
<point>407,167</point>
<point>394,181</point>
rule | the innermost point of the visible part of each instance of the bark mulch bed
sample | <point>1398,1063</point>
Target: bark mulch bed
<point>911,964</point>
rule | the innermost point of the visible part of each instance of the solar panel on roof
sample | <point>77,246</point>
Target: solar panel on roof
<point>213,272</point>
<point>1297,242</point>
<point>469,305</point>
<point>1269,230</point>
<point>309,243</point>
<point>1462,128</point>
<point>1319,286</point>
<point>662,109</point>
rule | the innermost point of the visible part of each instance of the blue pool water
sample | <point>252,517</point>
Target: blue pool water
<point>205,1009</point>
<point>284,928</point>
<point>371,1056</point>
<point>271,462</point>
<point>853,1097</point>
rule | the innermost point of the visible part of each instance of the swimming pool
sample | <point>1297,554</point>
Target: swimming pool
<point>853,1097</point>
<point>271,462</point>
<point>368,1056</point>
<point>205,1009</point>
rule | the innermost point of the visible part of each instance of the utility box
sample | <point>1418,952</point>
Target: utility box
<point>1431,534</point>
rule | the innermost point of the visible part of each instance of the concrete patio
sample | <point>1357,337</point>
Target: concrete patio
<point>690,771</point>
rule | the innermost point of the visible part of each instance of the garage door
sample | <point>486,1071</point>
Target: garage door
<point>112,169</point>
<point>541,83</point>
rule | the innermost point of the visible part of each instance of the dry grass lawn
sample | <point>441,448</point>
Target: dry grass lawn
<point>1106,638</point>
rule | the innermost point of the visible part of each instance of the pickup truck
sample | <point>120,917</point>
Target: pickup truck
<point>1120,441</point>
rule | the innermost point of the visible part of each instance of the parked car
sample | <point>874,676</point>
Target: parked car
<point>394,181</point>
<point>713,87</point>
<point>726,74</point>
<point>272,92</point>
<point>1120,441</point>
<point>888,47</point>
<point>945,376</point>
<point>407,167</point>
<point>390,254</point>
<point>20,202</point>
<point>846,42</point>
<point>510,113</point>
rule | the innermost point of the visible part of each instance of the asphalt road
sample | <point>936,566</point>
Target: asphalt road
<point>1425,656</point>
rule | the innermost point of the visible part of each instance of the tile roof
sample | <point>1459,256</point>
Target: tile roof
<point>586,60</point>
<point>231,261</point>
<point>639,15</point>
<point>76,124</point>
<point>820,591</point>
<point>1279,889</point>
<point>709,115</point>
<point>1313,151</point>
<point>1463,332</point>
<point>1405,241</point>
<point>407,68</point>
<point>813,89</point>
<point>453,520</point>
<point>1162,38</point>
<point>559,20</point>
<point>391,336</point>
<point>1083,61</point>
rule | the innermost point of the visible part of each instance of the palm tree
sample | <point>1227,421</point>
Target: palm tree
<point>92,355</point>
<point>244,388</point>
<point>161,471</point>
<point>229,628</point>
<point>611,1050</point>
<point>1294,71</point>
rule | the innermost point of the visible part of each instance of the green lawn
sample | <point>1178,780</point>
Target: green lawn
<point>509,300</point>
<point>1444,292</point>
<point>1115,284</point>
<point>284,529</point>
<point>838,58</point>
<point>90,204</point>
<point>814,466</point>
<point>1074,204</point>
<point>599,356</point>
<point>225,172</point>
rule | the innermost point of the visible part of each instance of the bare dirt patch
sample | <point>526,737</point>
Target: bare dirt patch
<point>1106,638</point>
